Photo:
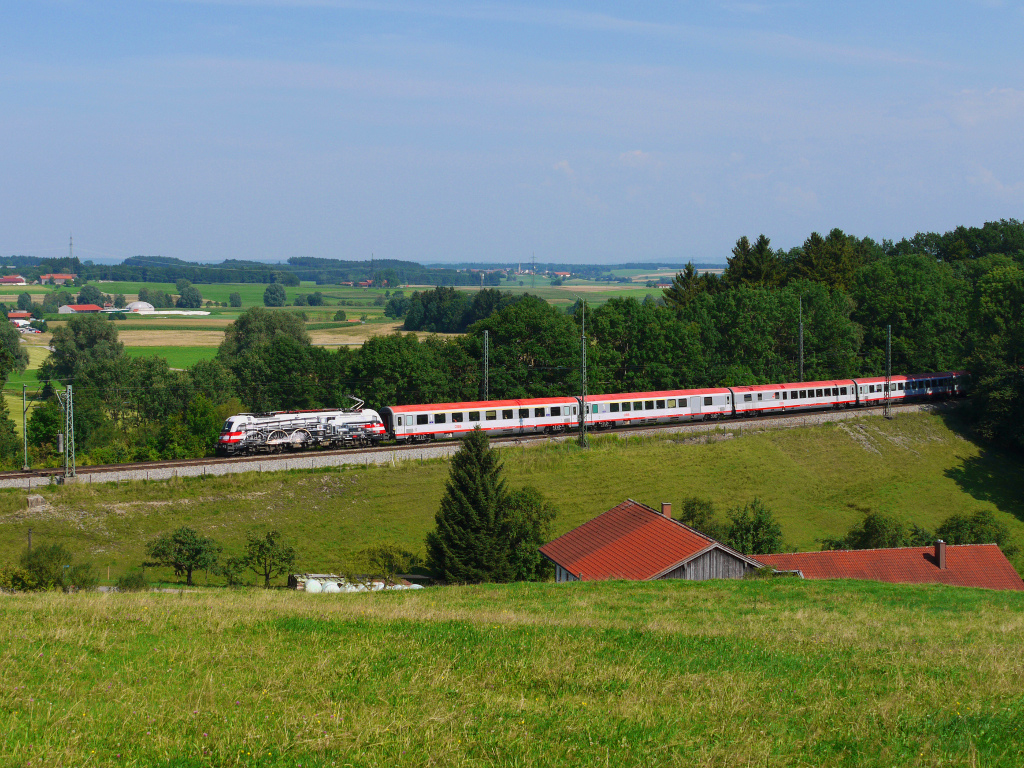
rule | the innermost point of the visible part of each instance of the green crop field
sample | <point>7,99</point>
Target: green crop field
<point>818,480</point>
<point>177,357</point>
<point>776,672</point>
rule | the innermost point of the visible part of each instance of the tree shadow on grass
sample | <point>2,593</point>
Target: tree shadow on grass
<point>995,475</point>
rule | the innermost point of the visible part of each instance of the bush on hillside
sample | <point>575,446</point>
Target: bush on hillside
<point>133,581</point>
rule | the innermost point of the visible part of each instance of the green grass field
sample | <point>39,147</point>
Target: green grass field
<point>756,673</point>
<point>818,480</point>
<point>177,357</point>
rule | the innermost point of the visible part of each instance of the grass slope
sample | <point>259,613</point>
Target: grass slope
<point>766,673</point>
<point>818,480</point>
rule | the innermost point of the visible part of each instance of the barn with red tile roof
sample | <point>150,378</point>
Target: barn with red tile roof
<point>965,565</point>
<point>632,541</point>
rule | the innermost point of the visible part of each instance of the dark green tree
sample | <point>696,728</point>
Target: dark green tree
<point>90,294</point>
<point>464,546</point>
<point>875,531</point>
<point>13,356</point>
<point>184,550</point>
<point>752,530</point>
<point>275,295</point>
<point>86,339</point>
<point>267,555</point>
<point>25,301</point>
<point>699,514</point>
<point>526,525</point>
<point>979,528</point>
<point>190,298</point>
<point>235,299</point>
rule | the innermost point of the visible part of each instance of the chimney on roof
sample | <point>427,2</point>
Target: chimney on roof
<point>940,553</point>
<point>666,509</point>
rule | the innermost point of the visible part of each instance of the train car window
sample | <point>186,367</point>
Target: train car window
<point>803,393</point>
<point>456,418</point>
<point>638,406</point>
<point>682,403</point>
<point>490,415</point>
<point>899,386</point>
<point>421,418</point>
<point>506,413</point>
<point>649,405</point>
<point>556,410</point>
<point>817,393</point>
<point>574,410</point>
<point>671,403</point>
<point>842,390</point>
<point>524,413</point>
<point>707,401</point>
<point>660,404</point>
<point>398,421</point>
<point>758,395</point>
<point>474,415</point>
<point>613,407</point>
<point>440,418</point>
<point>625,406</point>
<point>747,398</point>
<point>538,412</point>
<point>785,395</point>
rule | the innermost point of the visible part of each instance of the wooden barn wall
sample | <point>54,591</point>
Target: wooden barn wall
<point>714,564</point>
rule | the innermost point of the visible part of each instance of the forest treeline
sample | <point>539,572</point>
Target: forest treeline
<point>952,304</point>
<point>163,269</point>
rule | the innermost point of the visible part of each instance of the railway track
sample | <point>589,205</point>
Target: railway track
<point>392,453</point>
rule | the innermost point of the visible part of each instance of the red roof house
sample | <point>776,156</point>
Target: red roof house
<point>76,309</point>
<point>965,565</point>
<point>632,541</point>
<point>19,315</point>
<point>12,280</point>
<point>58,279</point>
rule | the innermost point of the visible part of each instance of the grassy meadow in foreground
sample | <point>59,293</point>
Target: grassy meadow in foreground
<point>767,673</point>
<point>818,480</point>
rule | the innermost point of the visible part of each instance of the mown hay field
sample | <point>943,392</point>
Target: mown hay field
<point>754,673</point>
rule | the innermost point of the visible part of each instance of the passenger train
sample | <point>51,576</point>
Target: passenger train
<point>288,430</point>
<point>415,423</point>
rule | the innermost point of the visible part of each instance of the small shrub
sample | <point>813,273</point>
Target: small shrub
<point>14,578</point>
<point>133,581</point>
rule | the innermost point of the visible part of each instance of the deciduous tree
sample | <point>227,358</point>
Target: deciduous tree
<point>184,550</point>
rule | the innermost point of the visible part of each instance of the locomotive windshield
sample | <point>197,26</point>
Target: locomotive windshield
<point>227,426</point>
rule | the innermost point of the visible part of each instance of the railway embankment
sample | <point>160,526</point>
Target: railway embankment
<point>396,454</point>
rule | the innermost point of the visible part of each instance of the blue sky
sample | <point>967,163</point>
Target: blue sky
<point>581,132</point>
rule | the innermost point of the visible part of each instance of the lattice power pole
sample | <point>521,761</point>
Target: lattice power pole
<point>887,401</point>
<point>584,443</point>
<point>487,366</point>
<point>67,406</point>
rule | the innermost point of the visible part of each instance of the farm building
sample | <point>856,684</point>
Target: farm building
<point>79,309</point>
<point>632,541</point>
<point>965,565</point>
<point>57,279</point>
<point>19,316</point>
<point>12,280</point>
<point>139,306</point>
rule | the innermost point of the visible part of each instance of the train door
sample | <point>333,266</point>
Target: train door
<point>696,403</point>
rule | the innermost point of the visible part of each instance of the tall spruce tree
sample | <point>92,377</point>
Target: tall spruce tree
<point>465,545</point>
